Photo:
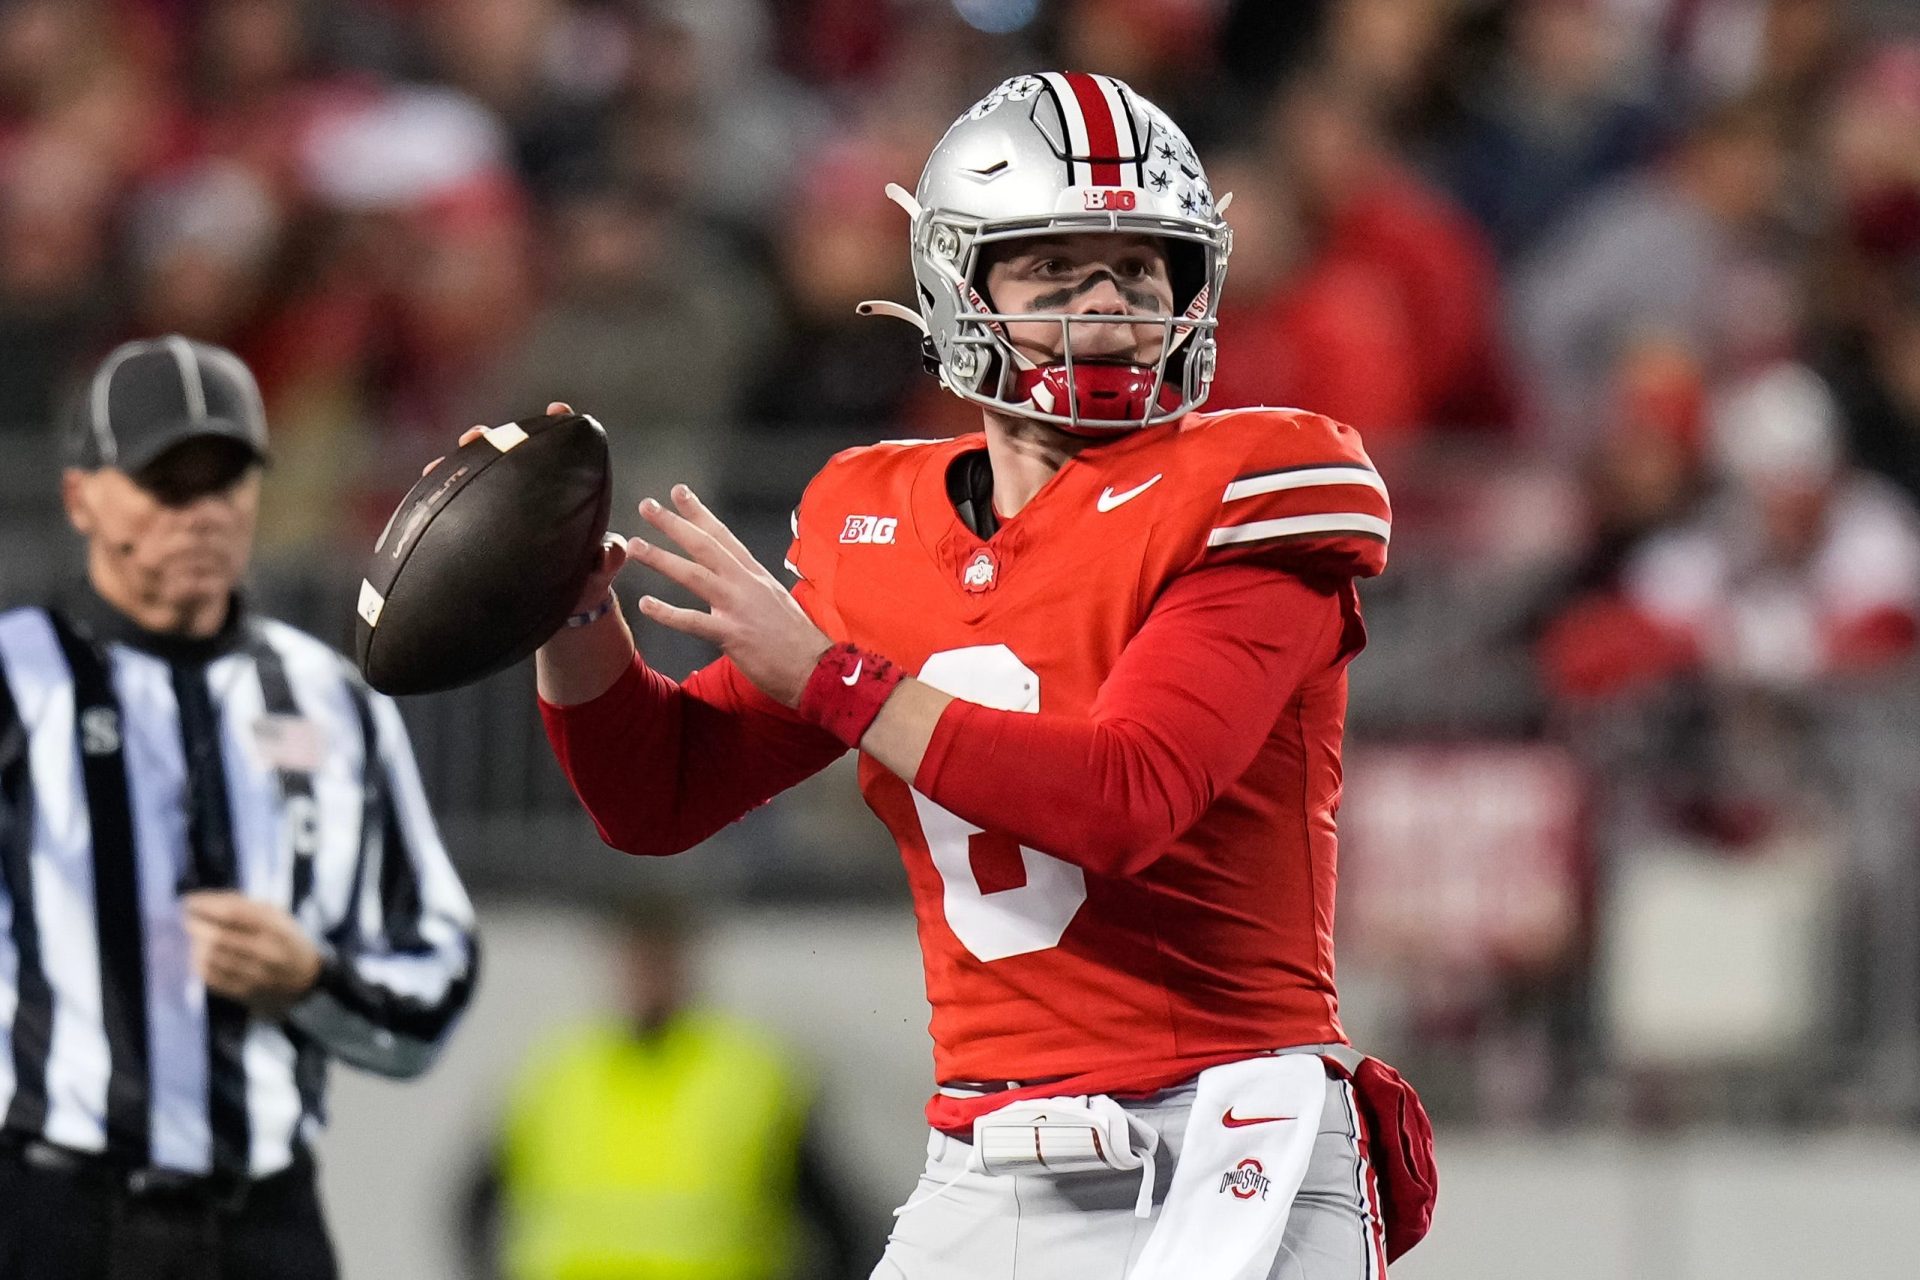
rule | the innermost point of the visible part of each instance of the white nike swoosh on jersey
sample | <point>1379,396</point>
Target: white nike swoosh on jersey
<point>1109,499</point>
<point>848,680</point>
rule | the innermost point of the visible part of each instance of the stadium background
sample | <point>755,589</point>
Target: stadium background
<point>1625,295</point>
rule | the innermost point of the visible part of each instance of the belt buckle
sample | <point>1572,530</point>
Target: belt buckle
<point>159,1184</point>
<point>220,1194</point>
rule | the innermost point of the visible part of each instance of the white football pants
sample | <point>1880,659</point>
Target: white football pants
<point>1082,1226</point>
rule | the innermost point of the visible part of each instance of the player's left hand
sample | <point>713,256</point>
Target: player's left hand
<point>250,951</point>
<point>751,617</point>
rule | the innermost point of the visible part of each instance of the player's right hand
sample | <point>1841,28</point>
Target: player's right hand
<point>613,548</point>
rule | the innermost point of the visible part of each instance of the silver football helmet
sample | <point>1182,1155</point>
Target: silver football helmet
<point>1055,154</point>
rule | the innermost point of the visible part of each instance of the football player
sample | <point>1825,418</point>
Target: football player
<point>1094,660</point>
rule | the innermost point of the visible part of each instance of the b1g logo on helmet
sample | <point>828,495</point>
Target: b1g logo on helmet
<point>1111,199</point>
<point>878,530</point>
<point>1245,1180</point>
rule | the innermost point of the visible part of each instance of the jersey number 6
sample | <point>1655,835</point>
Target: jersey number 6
<point>1004,922</point>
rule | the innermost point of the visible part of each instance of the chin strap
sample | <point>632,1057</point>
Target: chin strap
<point>904,198</point>
<point>880,306</point>
<point>929,354</point>
<point>883,307</point>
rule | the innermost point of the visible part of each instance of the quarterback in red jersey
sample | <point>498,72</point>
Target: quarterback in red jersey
<point>1094,661</point>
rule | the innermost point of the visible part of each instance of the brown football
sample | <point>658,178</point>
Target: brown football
<point>485,556</point>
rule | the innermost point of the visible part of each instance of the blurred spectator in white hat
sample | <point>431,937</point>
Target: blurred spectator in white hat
<point>202,244</point>
<point>1804,569</point>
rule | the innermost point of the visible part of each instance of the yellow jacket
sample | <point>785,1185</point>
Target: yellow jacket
<point>671,1158</point>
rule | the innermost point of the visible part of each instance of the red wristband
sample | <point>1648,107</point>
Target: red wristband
<point>846,691</point>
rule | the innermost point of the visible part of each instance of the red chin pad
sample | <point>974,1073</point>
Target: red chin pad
<point>1102,391</point>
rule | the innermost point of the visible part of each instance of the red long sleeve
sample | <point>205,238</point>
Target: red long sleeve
<point>1179,718</point>
<point>661,766</point>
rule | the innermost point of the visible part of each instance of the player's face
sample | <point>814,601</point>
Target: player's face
<point>1089,274</point>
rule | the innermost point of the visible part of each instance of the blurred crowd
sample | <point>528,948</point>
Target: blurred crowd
<point>1624,295</point>
<point>1570,225</point>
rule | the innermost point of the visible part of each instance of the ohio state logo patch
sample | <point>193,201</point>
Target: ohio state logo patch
<point>1245,1180</point>
<point>982,572</point>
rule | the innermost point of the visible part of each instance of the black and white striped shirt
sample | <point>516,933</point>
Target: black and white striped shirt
<point>134,767</point>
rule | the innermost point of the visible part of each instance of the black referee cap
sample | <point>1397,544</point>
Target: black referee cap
<point>151,395</point>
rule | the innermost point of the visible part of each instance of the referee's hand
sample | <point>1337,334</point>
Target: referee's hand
<point>250,951</point>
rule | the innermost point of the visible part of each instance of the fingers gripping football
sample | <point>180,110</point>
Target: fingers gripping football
<point>750,616</point>
<point>613,558</point>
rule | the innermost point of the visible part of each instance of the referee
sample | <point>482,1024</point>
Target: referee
<point>217,867</point>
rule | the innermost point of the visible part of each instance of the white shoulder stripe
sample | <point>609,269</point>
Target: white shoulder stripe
<point>794,570</point>
<point>1336,522</point>
<point>1304,478</point>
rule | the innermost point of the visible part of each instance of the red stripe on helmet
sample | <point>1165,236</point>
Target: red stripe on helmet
<point>1103,136</point>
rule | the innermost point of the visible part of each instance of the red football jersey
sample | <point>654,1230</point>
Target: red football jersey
<point>1037,969</point>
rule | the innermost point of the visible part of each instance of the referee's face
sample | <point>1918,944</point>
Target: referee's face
<point>167,546</point>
